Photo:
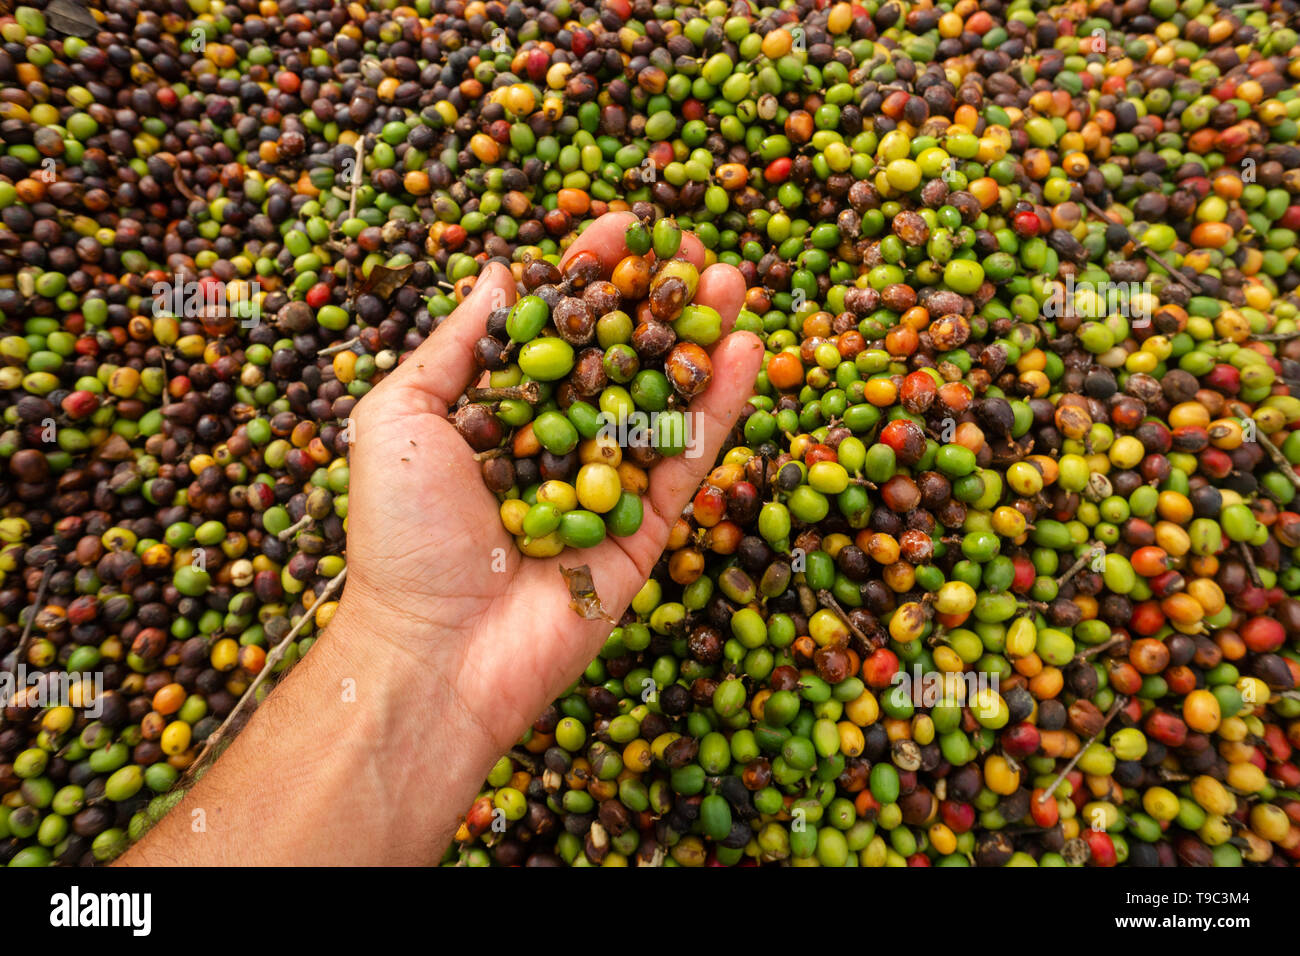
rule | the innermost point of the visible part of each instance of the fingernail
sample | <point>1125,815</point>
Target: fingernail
<point>479,292</point>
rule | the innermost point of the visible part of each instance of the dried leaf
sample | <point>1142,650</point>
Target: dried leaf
<point>583,591</point>
<point>114,448</point>
<point>384,281</point>
<point>72,18</point>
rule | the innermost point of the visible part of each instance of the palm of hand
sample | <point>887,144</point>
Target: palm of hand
<point>447,565</point>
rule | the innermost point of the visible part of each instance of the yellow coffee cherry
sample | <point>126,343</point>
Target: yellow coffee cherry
<point>175,738</point>
<point>598,487</point>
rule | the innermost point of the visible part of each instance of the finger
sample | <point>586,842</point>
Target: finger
<point>606,238</point>
<point>443,366</point>
<point>736,361</point>
<point>603,237</point>
<point>722,288</point>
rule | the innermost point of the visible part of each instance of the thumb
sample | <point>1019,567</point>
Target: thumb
<point>443,366</point>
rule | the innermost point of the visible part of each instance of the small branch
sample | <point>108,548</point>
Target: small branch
<point>1279,459</point>
<point>1182,280</point>
<point>339,346</point>
<point>355,185</point>
<point>277,653</point>
<point>294,528</point>
<point>1250,563</point>
<point>530,761</point>
<point>36,609</point>
<point>1115,708</point>
<point>1104,646</point>
<point>1276,336</point>
<point>530,392</point>
<point>827,600</point>
<point>1078,565</point>
<point>937,638</point>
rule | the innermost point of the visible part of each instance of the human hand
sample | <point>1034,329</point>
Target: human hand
<point>431,570</point>
<point>443,658</point>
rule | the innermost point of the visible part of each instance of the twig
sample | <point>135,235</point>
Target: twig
<point>1174,274</point>
<point>1078,565</point>
<point>1250,563</point>
<point>294,528</point>
<point>339,346</point>
<point>937,638</point>
<point>827,600</point>
<point>1103,646</point>
<point>355,185</point>
<point>524,757</point>
<point>1279,459</point>
<point>273,658</point>
<point>1276,336</point>
<point>167,356</point>
<point>36,609</point>
<point>1115,708</point>
<point>530,392</point>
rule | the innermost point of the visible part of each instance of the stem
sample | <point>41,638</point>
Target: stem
<point>937,638</point>
<point>272,659</point>
<point>1182,280</point>
<point>491,453</point>
<point>1276,336</point>
<point>1115,708</point>
<point>827,600</point>
<point>527,759</point>
<point>1185,281</point>
<point>339,346</point>
<point>1250,563</point>
<point>1079,564</point>
<point>1104,646</point>
<point>297,526</point>
<point>360,149</point>
<point>530,392</point>
<point>1279,459</point>
<point>36,609</point>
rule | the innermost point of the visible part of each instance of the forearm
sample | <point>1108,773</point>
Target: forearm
<point>362,756</point>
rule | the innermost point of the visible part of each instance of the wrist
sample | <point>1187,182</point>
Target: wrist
<point>424,753</point>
